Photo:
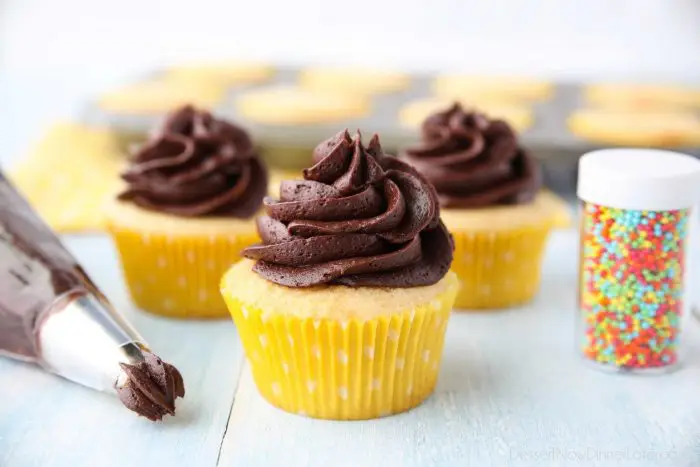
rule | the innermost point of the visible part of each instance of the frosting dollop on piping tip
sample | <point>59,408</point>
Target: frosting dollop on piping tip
<point>474,161</point>
<point>151,387</point>
<point>197,165</point>
<point>359,218</point>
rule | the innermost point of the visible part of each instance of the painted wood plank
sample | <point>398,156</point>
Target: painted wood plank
<point>512,392</point>
<point>48,421</point>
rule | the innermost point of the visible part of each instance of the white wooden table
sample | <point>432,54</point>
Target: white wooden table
<point>512,392</point>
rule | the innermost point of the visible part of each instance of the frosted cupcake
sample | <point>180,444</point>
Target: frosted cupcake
<point>186,213</point>
<point>489,189</point>
<point>342,308</point>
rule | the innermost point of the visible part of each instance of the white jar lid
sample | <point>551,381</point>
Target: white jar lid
<point>639,179</point>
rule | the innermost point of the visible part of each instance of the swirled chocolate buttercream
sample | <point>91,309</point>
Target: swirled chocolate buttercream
<point>359,218</point>
<point>474,161</point>
<point>197,165</point>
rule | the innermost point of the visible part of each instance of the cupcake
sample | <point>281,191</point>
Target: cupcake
<point>489,190</point>
<point>342,308</point>
<point>186,213</point>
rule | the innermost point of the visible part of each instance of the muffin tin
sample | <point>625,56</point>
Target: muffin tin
<point>288,146</point>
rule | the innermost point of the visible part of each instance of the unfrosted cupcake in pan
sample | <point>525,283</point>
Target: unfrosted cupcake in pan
<point>186,213</point>
<point>489,189</point>
<point>342,308</point>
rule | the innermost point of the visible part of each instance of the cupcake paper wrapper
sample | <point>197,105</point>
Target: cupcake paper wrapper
<point>498,269</point>
<point>178,275</point>
<point>348,370</point>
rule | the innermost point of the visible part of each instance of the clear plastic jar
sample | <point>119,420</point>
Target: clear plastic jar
<point>636,211</point>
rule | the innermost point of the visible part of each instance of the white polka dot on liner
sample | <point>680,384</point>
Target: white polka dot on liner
<point>315,351</point>
<point>400,362</point>
<point>311,385</point>
<point>146,239</point>
<point>426,355</point>
<point>290,339</point>
<point>409,389</point>
<point>211,264</point>
<point>369,352</point>
<point>276,389</point>
<point>203,295</point>
<point>285,368</point>
<point>244,312</point>
<point>467,258</point>
<point>375,384</point>
<point>190,256</point>
<point>161,262</point>
<point>343,392</point>
<point>168,304</point>
<point>263,340</point>
<point>436,305</point>
<point>344,325</point>
<point>485,290</point>
<point>508,256</point>
<point>342,357</point>
<point>181,281</point>
<point>316,323</point>
<point>487,263</point>
<point>393,335</point>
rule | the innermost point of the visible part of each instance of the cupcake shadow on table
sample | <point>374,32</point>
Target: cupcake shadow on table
<point>186,213</point>
<point>342,309</point>
<point>490,192</point>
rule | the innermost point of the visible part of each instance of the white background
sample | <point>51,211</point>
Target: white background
<point>55,54</point>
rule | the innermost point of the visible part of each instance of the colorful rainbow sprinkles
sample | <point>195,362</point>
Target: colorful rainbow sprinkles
<point>633,265</point>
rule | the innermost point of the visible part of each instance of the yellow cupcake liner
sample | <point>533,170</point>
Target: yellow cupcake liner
<point>499,269</point>
<point>351,370</point>
<point>178,275</point>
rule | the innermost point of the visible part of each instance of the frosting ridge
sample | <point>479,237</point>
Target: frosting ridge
<point>474,161</point>
<point>359,218</point>
<point>197,165</point>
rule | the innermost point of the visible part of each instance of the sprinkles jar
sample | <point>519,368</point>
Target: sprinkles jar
<point>636,207</point>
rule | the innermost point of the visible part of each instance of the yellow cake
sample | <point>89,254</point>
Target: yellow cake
<point>637,128</point>
<point>354,80</point>
<point>343,306</point>
<point>469,87</point>
<point>222,73</point>
<point>491,200</point>
<point>186,212</point>
<point>159,96</point>
<point>290,105</point>
<point>632,97</point>
<point>172,265</point>
<point>338,352</point>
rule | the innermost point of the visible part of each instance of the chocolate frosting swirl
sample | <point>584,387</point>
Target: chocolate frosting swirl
<point>359,218</point>
<point>197,165</point>
<point>474,161</point>
<point>151,388</point>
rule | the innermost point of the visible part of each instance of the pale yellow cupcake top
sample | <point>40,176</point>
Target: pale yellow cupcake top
<point>627,96</point>
<point>518,115</point>
<point>633,127</point>
<point>291,105</point>
<point>546,209</point>
<point>161,95</point>
<point>467,87</point>
<point>128,215</point>
<point>335,302</point>
<point>228,73</point>
<point>357,80</point>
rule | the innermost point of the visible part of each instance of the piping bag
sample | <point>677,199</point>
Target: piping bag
<point>52,314</point>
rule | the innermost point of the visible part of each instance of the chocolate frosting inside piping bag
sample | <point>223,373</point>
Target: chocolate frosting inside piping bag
<point>474,161</point>
<point>52,314</point>
<point>359,218</point>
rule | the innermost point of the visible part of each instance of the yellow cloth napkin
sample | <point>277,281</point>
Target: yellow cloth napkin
<point>68,174</point>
